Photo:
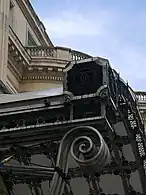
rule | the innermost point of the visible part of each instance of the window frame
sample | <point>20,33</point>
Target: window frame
<point>34,43</point>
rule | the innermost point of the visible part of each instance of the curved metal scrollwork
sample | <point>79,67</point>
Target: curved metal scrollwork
<point>87,147</point>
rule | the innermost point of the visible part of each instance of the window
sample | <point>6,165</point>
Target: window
<point>30,40</point>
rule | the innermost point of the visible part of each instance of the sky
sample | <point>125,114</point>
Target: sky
<point>114,29</point>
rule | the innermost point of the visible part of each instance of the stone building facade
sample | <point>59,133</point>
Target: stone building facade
<point>29,61</point>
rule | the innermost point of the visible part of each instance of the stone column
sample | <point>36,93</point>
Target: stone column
<point>4,32</point>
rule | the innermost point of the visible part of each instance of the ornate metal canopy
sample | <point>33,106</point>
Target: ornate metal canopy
<point>91,134</point>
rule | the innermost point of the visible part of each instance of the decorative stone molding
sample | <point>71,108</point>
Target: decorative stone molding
<point>43,73</point>
<point>17,52</point>
<point>44,69</point>
<point>37,77</point>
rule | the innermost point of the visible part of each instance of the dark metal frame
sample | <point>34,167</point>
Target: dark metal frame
<point>47,121</point>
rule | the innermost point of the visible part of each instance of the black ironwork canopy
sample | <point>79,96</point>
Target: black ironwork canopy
<point>91,133</point>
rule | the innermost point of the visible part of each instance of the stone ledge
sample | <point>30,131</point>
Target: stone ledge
<point>51,78</point>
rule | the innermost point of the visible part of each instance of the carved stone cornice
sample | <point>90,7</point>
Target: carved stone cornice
<point>38,77</point>
<point>47,62</point>
<point>43,73</point>
<point>44,70</point>
<point>34,22</point>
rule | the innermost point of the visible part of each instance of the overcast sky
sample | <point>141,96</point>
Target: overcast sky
<point>115,29</point>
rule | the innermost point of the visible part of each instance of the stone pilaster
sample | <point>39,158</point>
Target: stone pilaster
<point>4,32</point>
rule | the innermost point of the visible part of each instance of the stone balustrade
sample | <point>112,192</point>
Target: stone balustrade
<point>41,51</point>
<point>56,52</point>
<point>76,55</point>
<point>141,96</point>
<point>41,55</point>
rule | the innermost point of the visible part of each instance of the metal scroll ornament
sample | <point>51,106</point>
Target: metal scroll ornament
<point>88,149</point>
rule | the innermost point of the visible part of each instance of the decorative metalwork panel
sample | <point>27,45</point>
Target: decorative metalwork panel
<point>85,78</point>
<point>90,142</point>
